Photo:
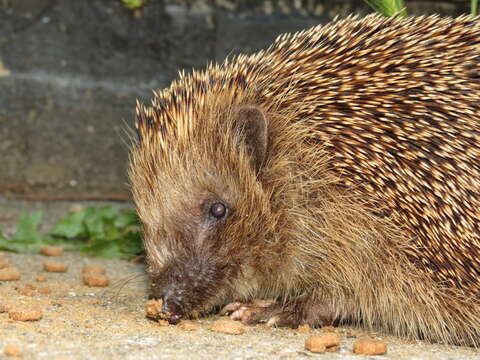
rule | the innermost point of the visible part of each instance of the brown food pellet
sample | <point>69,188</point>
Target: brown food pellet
<point>52,250</point>
<point>93,269</point>
<point>30,286</point>
<point>313,347</point>
<point>11,350</point>
<point>322,343</point>
<point>25,314</point>
<point>41,278</point>
<point>153,308</point>
<point>55,266</point>
<point>188,326</point>
<point>9,274</point>
<point>163,323</point>
<point>5,308</point>
<point>23,291</point>
<point>369,347</point>
<point>44,290</point>
<point>96,280</point>
<point>226,326</point>
<point>304,329</point>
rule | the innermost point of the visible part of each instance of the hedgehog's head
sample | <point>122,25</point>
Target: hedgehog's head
<point>195,179</point>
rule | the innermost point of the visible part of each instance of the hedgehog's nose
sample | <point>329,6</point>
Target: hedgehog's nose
<point>173,308</point>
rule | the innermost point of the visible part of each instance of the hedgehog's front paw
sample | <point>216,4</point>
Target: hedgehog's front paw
<point>262,311</point>
<point>291,315</point>
<point>248,313</point>
<point>274,315</point>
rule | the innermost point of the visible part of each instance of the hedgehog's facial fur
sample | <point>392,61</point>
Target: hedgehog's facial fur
<point>193,271</point>
<point>195,205</point>
<point>186,268</point>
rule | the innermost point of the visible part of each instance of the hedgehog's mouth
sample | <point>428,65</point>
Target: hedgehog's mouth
<point>187,288</point>
<point>171,311</point>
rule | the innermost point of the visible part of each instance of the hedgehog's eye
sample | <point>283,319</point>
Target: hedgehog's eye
<point>218,210</point>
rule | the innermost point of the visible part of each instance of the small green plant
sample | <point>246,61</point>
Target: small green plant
<point>26,238</point>
<point>388,7</point>
<point>104,231</point>
<point>474,7</point>
<point>133,4</point>
<point>398,8</point>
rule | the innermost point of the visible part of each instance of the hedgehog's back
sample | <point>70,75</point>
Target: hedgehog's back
<point>399,104</point>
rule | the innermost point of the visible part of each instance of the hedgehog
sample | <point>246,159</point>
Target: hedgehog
<point>335,174</point>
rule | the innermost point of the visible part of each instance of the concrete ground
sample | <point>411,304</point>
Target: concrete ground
<point>81,322</point>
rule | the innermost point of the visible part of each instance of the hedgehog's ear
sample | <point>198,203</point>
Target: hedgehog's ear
<point>253,126</point>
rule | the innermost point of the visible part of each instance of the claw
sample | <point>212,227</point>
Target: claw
<point>238,314</point>
<point>235,306</point>
<point>230,308</point>
<point>273,321</point>
<point>246,312</point>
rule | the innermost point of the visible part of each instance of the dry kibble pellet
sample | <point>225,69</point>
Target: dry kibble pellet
<point>93,269</point>
<point>187,326</point>
<point>163,323</point>
<point>9,274</point>
<point>323,342</point>
<point>11,350</point>
<point>52,250</point>
<point>23,291</point>
<point>44,290</point>
<point>96,280</point>
<point>5,308</point>
<point>226,326</point>
<point>153,308</point>
<point>30,286</point>
<point>55,266</point>
<point>369,347</point>
<point>25,313</point>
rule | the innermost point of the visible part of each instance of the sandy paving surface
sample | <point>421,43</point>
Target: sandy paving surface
<point>81,322</point>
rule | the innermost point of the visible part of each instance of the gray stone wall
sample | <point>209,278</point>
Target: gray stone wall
<point>70,72</point>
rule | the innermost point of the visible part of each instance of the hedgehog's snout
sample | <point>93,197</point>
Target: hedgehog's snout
<point>186,285</point>
<point>174,294</point>
<point>172,307</point>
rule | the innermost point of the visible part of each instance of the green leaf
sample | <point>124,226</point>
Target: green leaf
<point>133,243</point>
<point>71,226</point>
<point>27,228</point>
<point>101,231</point>
<point>388,7</point>
<point>473,7</point>
<point>105,249</point>
<point>127,219</point>
<point>26,238</point>
<point>8,245</point>
<point>133,4</point>
<point>97,218</point>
